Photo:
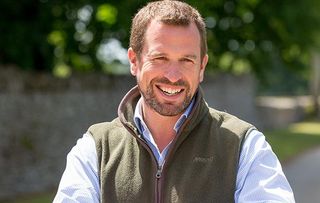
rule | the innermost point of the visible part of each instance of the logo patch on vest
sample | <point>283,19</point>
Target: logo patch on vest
<point>202,159</point>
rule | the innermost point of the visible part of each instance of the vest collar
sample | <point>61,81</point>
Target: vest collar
<point>128,104</point>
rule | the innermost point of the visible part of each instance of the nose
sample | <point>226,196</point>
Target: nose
<point>173,72</point>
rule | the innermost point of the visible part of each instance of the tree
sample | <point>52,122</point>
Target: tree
<point>270,38</point>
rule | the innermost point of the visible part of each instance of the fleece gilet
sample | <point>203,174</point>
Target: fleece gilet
<point>201,165</point>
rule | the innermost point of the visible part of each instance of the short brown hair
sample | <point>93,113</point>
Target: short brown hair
<point>170,12</point>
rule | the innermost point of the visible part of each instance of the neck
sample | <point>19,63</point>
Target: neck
<point>161,127</point>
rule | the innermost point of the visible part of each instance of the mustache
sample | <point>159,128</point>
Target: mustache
<point>168,82</point>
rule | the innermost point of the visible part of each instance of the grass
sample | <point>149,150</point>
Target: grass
<point>46,197</point>
<point>297,138</point>
<point>286,143</point>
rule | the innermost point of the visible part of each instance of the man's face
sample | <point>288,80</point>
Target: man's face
<point>169,68</point>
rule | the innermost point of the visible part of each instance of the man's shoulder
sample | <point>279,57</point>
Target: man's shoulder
<point>227,121</point>
<point>100,130</point>
<point>105,125</point>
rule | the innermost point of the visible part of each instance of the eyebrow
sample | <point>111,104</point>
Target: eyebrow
<point>155,54</point>
<point>191,56</point>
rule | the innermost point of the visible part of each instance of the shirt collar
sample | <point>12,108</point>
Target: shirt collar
<point>142,127</point>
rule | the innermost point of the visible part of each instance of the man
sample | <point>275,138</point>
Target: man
<point>167,145</point>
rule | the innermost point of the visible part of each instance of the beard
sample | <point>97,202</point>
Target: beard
<point>166,109</point>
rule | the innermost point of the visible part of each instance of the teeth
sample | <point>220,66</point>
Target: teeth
<point>170,91</point>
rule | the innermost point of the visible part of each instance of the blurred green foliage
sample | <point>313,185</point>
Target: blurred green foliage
<point>272,39</point>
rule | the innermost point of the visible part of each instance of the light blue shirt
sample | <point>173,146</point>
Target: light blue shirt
<point>259,179</point>
<point>143,129</point>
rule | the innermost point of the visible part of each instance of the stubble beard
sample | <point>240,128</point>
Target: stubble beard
<point>166,109</point>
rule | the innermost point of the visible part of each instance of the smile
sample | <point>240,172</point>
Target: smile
<point>170,91</point>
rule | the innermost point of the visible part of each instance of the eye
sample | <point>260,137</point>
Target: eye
<point>187,60</point>
<point>161,58</point>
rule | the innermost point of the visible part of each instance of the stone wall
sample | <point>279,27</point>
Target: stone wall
<point>41,118</point>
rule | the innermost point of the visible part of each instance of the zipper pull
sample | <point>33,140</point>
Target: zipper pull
<point>159,171</point>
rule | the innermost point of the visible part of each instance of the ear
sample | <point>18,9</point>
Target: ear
<point>203,66</point>
<point>133,61</point>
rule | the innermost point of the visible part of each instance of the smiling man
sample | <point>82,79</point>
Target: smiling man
<point>168,72</point>
<point>167,145</point>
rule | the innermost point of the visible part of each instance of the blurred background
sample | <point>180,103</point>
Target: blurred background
<point>63,67</point>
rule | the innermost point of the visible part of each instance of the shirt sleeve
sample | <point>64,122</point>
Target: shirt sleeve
<point>80,182</point>
<point>260,177</point>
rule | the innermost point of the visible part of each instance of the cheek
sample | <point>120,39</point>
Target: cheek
<point>148,72</point>
<point>143,77</point>
<point>195,76</point>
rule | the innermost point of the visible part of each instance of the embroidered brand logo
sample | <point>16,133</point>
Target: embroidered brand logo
<point>202,159</point>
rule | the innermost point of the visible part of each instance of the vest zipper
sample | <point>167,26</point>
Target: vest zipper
<point>158,186</point>
<point>159,175</point>
<point>159,167</point>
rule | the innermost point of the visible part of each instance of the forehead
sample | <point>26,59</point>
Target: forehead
<point>183,36</point>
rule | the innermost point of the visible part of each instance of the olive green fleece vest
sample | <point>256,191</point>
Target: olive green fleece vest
<point>201,165</point>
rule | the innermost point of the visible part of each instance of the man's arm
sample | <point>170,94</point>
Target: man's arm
<point>260,177</point>
<point>80,182</point>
